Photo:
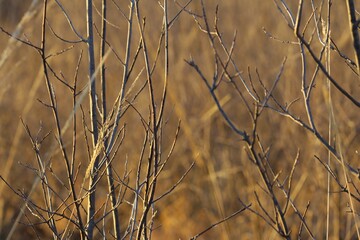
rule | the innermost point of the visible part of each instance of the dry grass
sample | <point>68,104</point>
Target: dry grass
<point>223,173</point>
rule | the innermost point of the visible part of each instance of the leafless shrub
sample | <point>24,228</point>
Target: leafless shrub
<point>102,155</point>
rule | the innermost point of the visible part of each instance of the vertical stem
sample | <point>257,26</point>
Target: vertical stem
<point>120,97</point>
<point>111,187</point>
<point>102,67</point>
<point>330,132</point>
<point>166,70</point>
<point>354,30</point>
<point>93,118</point>
<point>330,142</point>
<point>154,156</point>
<point>92,78</point>
<point>57,121</point>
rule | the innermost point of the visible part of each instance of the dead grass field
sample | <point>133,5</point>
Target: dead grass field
<point>223,176</point>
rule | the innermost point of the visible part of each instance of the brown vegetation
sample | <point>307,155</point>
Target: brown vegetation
<point>239,120</point>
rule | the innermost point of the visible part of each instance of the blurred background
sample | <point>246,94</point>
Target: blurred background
<point>223,174</point>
